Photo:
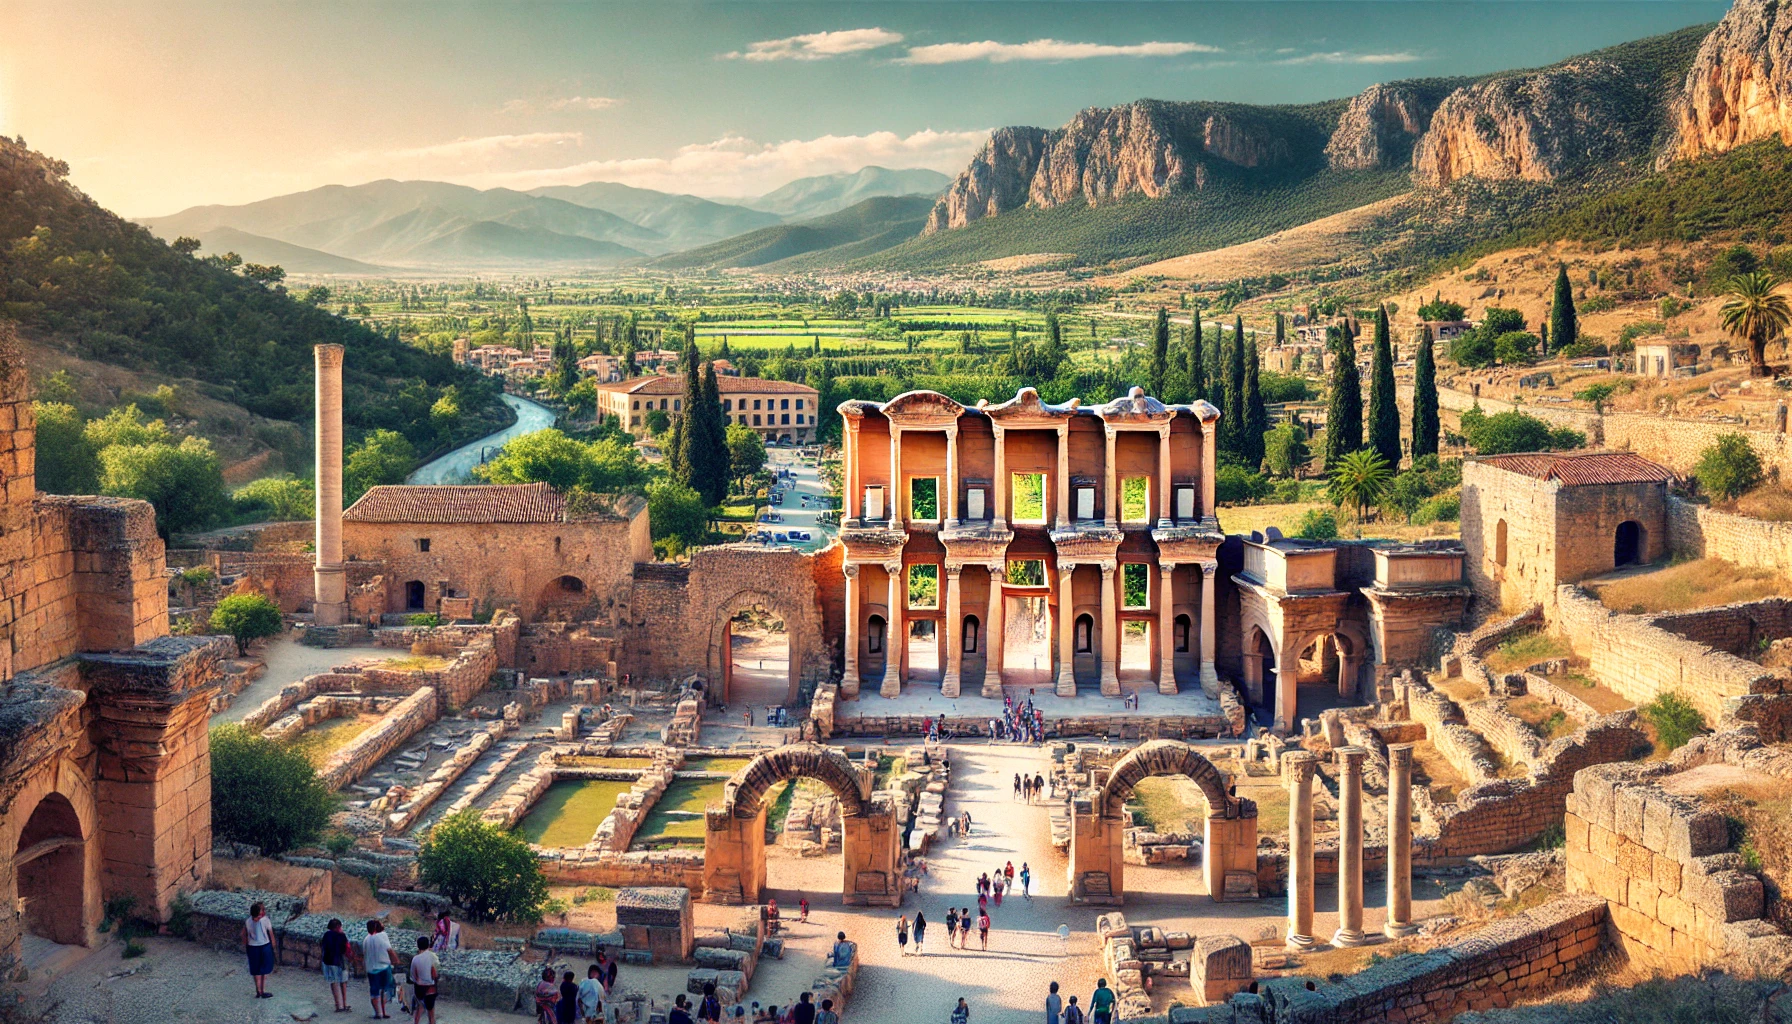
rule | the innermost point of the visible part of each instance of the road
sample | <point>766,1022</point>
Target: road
<point>806,482</point>
<point>454,467</point>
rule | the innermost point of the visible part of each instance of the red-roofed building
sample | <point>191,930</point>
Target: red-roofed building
<point>778,409</point>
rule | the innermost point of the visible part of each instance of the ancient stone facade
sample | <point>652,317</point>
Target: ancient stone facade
<point>1532,522</point>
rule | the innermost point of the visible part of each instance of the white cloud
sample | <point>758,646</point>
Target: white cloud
<point>819,45</point>
<point>738,166</point>
<point>1342,57</point>
<point>584,103</point>
<point>474,154</point>
<point>1044,49</point>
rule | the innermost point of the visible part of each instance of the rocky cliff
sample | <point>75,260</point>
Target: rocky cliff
<point>1739,88</point>
<point>997,180</point>
<point>1380,125</point>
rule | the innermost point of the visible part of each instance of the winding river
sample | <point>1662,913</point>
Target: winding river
<point>454,467</point>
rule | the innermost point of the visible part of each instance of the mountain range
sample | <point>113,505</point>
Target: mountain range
<point>427,225</point>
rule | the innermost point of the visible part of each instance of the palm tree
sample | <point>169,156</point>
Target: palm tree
<point>1757,314</point>
<point>1360,478</point>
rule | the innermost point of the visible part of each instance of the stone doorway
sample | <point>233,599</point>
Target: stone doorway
<point>1260,674</point>
<point>563,599</point>
<point>1027,641</point>
<point>1629,543</point>
<point>1136,664</point>
<point>413,595</point>
<point>925,660</point>
<point>50,863</point>
<point>758,667</point>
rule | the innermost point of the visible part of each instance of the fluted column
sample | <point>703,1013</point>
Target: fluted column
<point>1066,630</point>
<point>896,635</point>
<point>898,499</point>
<point>1063,483</point>
<point>1001,480</point>
<point>330,583</point>
<point>1110,482</point>
<point>1110,633</point>
<point>1165,512</point>
<point>1350,846</point>
<point>1209,467</point>
<point>1166,631</point>
<point>1210,676</point>
<point>994,630</point>
<point>853,504</point>
<point>849,683</point>
<point>1297,774</point>
<point>1399,923</point>
<point>950,510</point>
<point>953,634</point>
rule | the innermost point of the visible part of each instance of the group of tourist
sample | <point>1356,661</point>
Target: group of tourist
<point>378,959</point>
<point>804,1011</point>
<point>1101,1006</point>
<point>578,1002</point>
<point>1022,723</point>
<point>1028,787</point>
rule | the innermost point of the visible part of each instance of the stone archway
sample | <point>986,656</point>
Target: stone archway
<point>50,865</point>
<point>734,836</point>
<point>719,660</point>
<point>562,599</point>
<point>1229,848</point>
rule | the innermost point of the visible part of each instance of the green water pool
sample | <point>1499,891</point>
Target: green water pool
<point>677,818</point>
<point>569,812</point>
<point>716,764</point>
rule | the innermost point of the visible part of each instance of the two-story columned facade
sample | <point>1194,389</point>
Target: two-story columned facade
<point>1023,541</point>
<point>780,410</point>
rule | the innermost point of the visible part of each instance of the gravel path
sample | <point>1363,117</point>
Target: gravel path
<point>289,661</point>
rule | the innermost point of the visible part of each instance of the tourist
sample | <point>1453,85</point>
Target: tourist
<point>983,929</point>
<point>982,903</point>
<point>992,730</point>
<point>827,1014</point>
<point>1039,780</point>
<point>1073,1014</point>
<point>802,907</point>
<point>711,1007</point>
<point>920,932</point>
<point>771,917</point>
<point>1101,1003</point>
<point>447,934</point>
<point>804,1010</point>
<point>547,997</point>
<point>964,928</point>
<point>842,951</point>
<point>951,926</point>
<point>1026,880</point>
<point>961,1014</point>
<point>335,961</point>
<point>426,973</point>
<point>1008,874</point>
<point>376,957</point>
<point>1054,1005</point>
<point>258,941</point>
<point>591,995</point>
<point>681,1013</point>
<point>1017,791</point>
<point>902,934</point>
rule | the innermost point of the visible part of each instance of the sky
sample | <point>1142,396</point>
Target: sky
<point>161,106</point>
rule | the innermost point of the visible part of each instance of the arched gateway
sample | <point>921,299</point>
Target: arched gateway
<point>734,837</point>
<point>1099,821</point>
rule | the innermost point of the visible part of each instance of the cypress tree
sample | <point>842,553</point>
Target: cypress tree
<point>1564,329</point>
<point>1384,411</point>
<point>1256,414</point>
<point>1234,408</point>
<point>1197,365</point>
<point>1281,330</point>
<point>1424,400</point>
<point>1344,406</point>
<point>716,434</point>
<point>695,465</point>
<point>1160,352</point>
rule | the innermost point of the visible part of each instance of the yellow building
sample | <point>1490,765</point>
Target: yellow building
<point>779,410</point>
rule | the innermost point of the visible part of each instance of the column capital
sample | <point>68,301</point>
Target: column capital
<point>997,571</point>
<point>997,429</point>
<point>1298,766</point>
<point>1166,567</point>
<point>952,571</point>
<point>893,568</point>
<point>1400,756</point>
<point>1164,431</point>
<point>1108,569</point>
<point>1209,568</point>
<point>851,569</point>
<point>1350,759</point>
<point>951,430</point>
<point>328,355</point>
<point>1111,430</point>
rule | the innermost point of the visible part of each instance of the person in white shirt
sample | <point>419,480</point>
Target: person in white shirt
<point>591,997</point>
<point>376,953</point>
<point>258,940</point>
<point>425,972</point>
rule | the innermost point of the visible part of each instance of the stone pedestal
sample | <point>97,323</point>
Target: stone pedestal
<point>657,920</point>
<point>1219,965</point>
<point>330,597</point>
<point>1399,923</point>
<point>1297,773</point>
<point>1097,864</point>
<point>733,857</point>
<point>1350,846</point>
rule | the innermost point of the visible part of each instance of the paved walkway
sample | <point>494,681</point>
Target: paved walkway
<point>289,661</point>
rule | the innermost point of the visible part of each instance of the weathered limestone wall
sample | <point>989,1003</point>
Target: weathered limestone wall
<point>382,738</point>
<point>1701,531</point>
<point>1741,629</point>
<point>1640,660</point>
<point>458,682</point>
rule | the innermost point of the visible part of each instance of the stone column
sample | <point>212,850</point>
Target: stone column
<point>950,510</point>
<point>1348,670</point>
<point>1063,482</point>
<point>895,634</point>
<point>1111,485</point>
<point>1066,630</point>
<point>1350,846</point>
<point>1209,467</point>
<point>1210,676</point>
<point>853,504</point>
<point>898,499</point>
<point>953,634</point>
<point>330,598</point>
<point>1001,476</point>
<point>1165,510</point>
<point>1297,774</point>
<point>1399,923</point>
<point>849,682</point>
<point>1166,629</point>
<point>993,631</point>
<point>1110,633</point>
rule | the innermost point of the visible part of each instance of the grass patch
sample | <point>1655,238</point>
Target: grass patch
<point>1769,501</point>
<point>1674,719</point>
<point>1549,722</point>
<point>1157,804</point>
<point>1432,770</point>
<point>677,819</point>
<point>1526,649</point>
<point>415,663</point>
<point>327,737</point>
<point>717,764</point>
<point>569,812</point>
<point>1702,583</point>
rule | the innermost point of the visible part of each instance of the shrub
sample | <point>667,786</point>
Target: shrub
<point>1505,432</point>
<point>281,498</point>
<point>1729,468</point>
<point>1317,524</point>
<point>1515,347</point>
<point>1599,304</point>
<point>247,617</point>
<point>1444,508</point>
<point>265,794</point>
<point>1234,485</point>
<point>1597,394</point>
<point>1675,720</point>
<point>339,843</point>
<point>491,872</point>
<point>427,619</point>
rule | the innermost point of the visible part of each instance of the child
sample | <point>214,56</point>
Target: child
<point>802,906</point>
<point>335,960</point>
<point>547,995</point>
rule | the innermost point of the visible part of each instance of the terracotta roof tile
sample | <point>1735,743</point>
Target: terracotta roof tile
<point>1575,469</point>
<point>471,503</point>
<point>725,385</point>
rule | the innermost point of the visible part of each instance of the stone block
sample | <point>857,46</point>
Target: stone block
<point>1112,925</point>
<point>1700,834</point>
<point>722,959</point>
<point>1179,940</point>
<point>1219,966</point>
<point>1627,812</point>
<point>1667,874</point>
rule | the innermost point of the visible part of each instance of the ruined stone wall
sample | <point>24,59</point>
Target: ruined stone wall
<point>557,648</point>
<point>1700,531</point>
<point>1741,629</point>
<point>1639,660</point>
<point>457,683</point>
<point>1527,507</point>
<point>383,737</point>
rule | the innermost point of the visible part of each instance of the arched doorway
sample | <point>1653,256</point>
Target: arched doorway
<point>758,667</point>
<point>50,863</point>
<point>1629,544</point>
<point>413,595</point>
<point>563,599</point>
<point>1260,673</point>
<point>1026,641</point>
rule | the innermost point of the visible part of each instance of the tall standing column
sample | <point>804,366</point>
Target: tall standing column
<point>1210,676</point>
<point>849,682</point>
<point>1063,482</point>
<point>1066,630</point>
<point>994,630</point>
<point>951,508</point>
<point>1399,923</point>
<point>896,635</point>
<point>1350,846</point>
<point>853,504</point>
<point>898,500</point>
<point>1000,483</point>
<point>330,596</point>
<point>1209,467</point>
<point>1110,481</point>
<point>953,634</point>
<point>1297,773</point>
<point>1110,633</point>
<point>1165,511</point>
<point>1166,633</point>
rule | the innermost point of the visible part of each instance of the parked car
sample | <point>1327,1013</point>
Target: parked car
<point>781,538</point>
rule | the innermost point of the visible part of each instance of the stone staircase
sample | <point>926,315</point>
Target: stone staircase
<point>348,635</point>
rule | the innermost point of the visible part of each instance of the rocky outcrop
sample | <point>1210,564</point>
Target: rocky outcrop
<point>1739,88</point>
<point>1106,154</point>
<point>1537,126</point>
<point>996,181</point>
<point>1379,127</point>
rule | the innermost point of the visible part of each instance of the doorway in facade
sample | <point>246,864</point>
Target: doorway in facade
<point>923,651</point>
<point>1135,651</point>
<point>1026,641</point>
<point>758,658</point>
<point>1627,545</point>
<point>413,596</point>
<point>50,862</point>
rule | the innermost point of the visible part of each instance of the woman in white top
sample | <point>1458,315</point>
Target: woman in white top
<point>258,939</point>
